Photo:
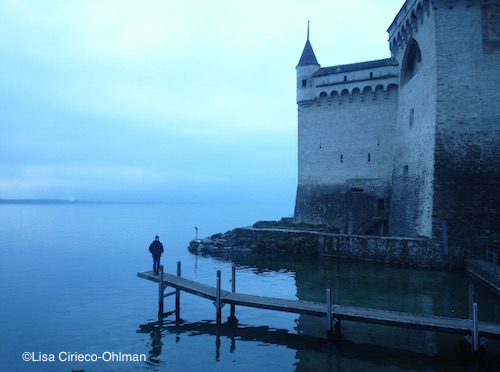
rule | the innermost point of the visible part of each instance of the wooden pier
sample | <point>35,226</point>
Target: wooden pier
<point>476,332</point>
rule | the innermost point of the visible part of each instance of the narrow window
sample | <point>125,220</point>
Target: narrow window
<point>405,169</point>
<point>369,158</point>
<point>341,158</point>
<point>411,117</point>
<point>304,83</point>
<point>381,205</point>
<point>345,78</point>
<point>371,75</point>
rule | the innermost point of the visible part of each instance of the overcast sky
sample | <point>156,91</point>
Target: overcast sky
<point>165,100</point>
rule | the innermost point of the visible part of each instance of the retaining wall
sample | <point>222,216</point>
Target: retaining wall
<point>399,251</point>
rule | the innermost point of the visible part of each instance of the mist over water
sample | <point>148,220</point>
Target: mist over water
<point>68,284</point>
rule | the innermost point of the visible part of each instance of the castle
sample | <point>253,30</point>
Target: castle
<point>407,146</point>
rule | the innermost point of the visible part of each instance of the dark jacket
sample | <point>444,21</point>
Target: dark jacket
<point>156,248</point>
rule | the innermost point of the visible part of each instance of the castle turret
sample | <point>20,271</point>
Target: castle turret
<point>307,67</point>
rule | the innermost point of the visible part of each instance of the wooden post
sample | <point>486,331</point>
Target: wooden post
<point>178,292</point>
<point>337,302</point>
<point>233,289</point>
<point>475,329</point>
<point>471,300</point>
<point>328,308</point>
<point>217,299</point>
<point>474,337</point>
<point>160,293</point>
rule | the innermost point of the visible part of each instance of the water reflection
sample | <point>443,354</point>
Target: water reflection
<point>381,287</point>
<point>318,353</point>
<point>372,285</point>
<point>231,330</point>
<point>363,346</point>
<point>156,345</point>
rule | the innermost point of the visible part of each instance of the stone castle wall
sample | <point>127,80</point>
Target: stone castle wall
<point>424,144</point>
<point>446,164</point>
<point>348,137</point>
<point>467,154</point>
<point>345,146</point>
<point>413,168</point>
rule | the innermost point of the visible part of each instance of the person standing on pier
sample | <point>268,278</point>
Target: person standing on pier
<point>156,249</point>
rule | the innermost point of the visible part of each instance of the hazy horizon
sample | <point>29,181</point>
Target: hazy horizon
<point>165,101</point>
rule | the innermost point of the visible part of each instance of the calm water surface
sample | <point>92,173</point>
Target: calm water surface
<point>68,285</point>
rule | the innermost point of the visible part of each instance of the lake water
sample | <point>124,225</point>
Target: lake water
<point>69,289</point>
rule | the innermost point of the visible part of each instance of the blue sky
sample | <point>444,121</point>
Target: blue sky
<point>165,100</point>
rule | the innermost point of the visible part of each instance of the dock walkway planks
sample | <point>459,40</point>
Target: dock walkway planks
<point>206,291</point>
<point>340,312</point>
<point>183,284</point>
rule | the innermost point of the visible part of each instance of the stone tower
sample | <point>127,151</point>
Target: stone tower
<point>447,138</point>
<point>346,119</point>
<point>399,145</point>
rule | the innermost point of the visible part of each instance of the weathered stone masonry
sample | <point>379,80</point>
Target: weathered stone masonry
<point>416,252</point>
<point>396,146</point>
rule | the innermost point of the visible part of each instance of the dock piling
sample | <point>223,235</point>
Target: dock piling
<point>337,302</point>
<point>178,293</point>
<point>233,290</point>
<point>473,338</point>
<point>475,328</point>
<point>160,293</point>
<point>218,298</point>
<point>472,299</point>
<point>328,309</point>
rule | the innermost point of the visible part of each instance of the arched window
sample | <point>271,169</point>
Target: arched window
<point>323,97</point>
<point>411,61</point>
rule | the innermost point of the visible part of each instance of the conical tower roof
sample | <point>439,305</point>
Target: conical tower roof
<point>308,57</point>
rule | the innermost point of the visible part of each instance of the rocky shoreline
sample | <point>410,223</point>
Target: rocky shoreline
<point>216,244</point>
<point>303,241</point>
<point>277,240</point>
<point>238,240</point>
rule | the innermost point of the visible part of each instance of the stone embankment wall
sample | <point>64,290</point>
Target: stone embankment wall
<point>399,251</point>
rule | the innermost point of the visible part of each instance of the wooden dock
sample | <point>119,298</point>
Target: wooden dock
<point>475,331</point>
<point>208,292</point>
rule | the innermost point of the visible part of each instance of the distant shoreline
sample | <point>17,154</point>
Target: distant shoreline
<point>64,201</point>
<point>40,201</point>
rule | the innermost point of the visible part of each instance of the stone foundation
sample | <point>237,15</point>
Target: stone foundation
<point>391,250</point>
